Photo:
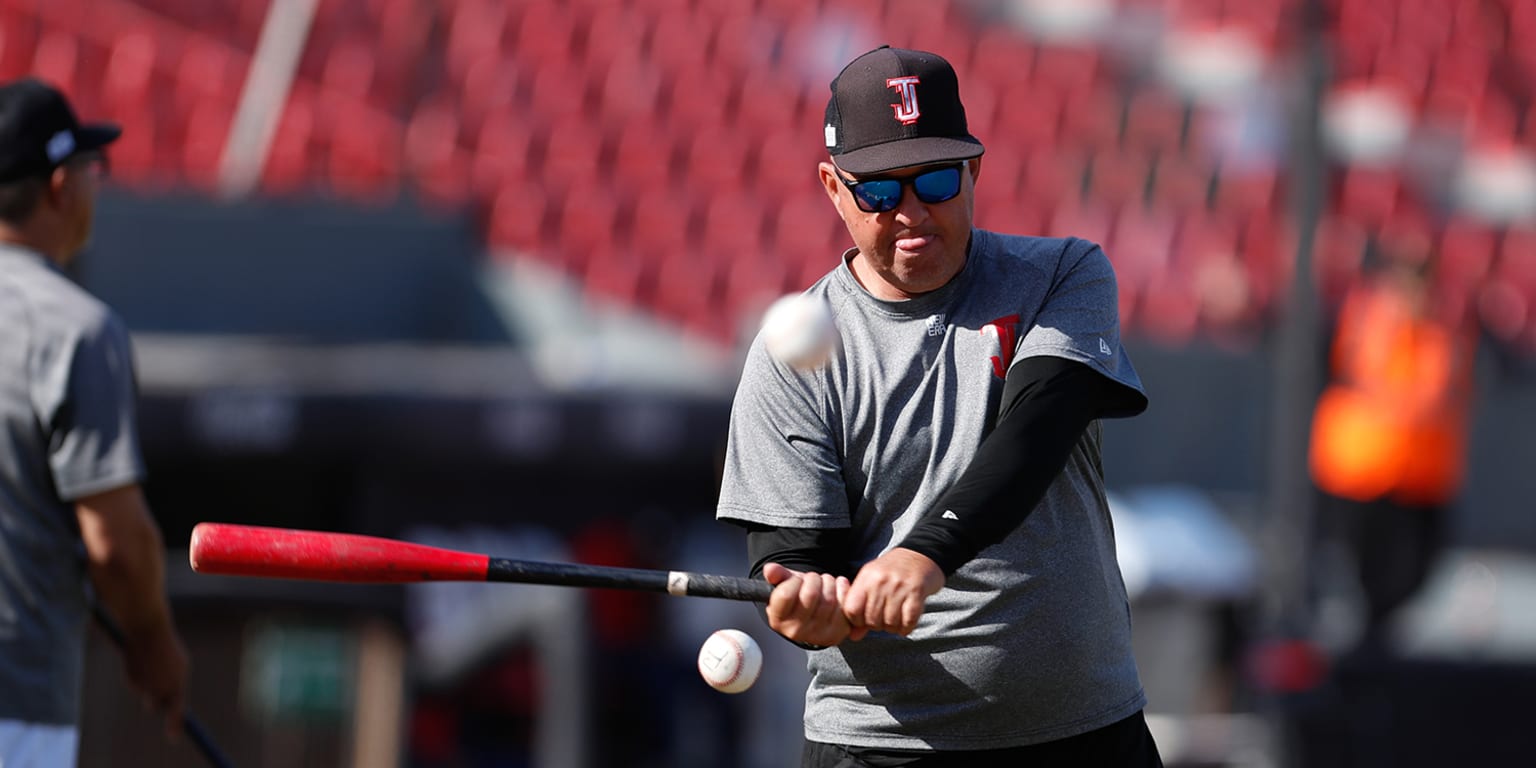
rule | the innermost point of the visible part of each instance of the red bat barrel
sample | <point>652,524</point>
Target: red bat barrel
<point>244,550</point>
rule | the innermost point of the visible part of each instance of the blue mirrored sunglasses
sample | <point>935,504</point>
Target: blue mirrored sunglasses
<point>881,195</point>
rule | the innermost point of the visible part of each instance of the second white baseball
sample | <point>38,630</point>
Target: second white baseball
<point>798,331</point>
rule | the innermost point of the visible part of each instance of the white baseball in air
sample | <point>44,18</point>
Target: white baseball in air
<point>730,661</point>
<point>798,331</point>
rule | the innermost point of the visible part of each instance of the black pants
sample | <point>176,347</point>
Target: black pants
<point>1126,744</point>
<point>1393,546</point>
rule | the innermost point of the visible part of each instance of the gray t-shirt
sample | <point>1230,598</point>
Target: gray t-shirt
<point>1030,641</point>
<point>67,430</point>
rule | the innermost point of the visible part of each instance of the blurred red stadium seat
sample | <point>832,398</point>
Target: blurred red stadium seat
<point>292,158</point>
<point>733,225</point>
<point>1154,120</point>
<point>572,151</point>
<point>134,160</point>
<point>785,163</point>
<point>1246,189</point>
<point>1089,221</point>
<point>18,38</point>
<point>1181,181</point>
<point>687,287</point>
<point>805,228</point>
<point>1027,115</point>
<point>517,214</point>
<point>559,90</point>
<point>750,285</point>
<point>1067,68</point>
<point>503,153</point>
<point>1202,236</point>
<point>680,42</point>
<point>128,80</point>
<point>587,221</point>
<point>1338,251</point>
<point>1011,214</point>
<point>1168,310</point>
<point>349,68</point>
<point>1516,261</point>
<point>1002,169</point>
<point>1408,66</point>
<point>1119,176</point>
<point>207,69</point>
<point>643,154</point>
<point>489,85</point>
<point>744,42</point>
<point>661,221</point>
<point>716,158</point>
<point>917,24</point>
<point>616,274</point>
<point>1369,195</point>
<point>56,60</point>
<point>614,32</point>
<point>202,144</point>
<point>1503,309</point>
<point>1090,117</point>
<point>1053,174</point>
<point>786,10</point>
<point>364,158</point>
<point>435,157</point>
<point>1001,55</point>
<point>546,32</point>
<point>697,99</point>
<point>630,88</point>
<point>1142,243</point>
<point>769,106</point>
<point>474,29</point>
<point>1466,250</point>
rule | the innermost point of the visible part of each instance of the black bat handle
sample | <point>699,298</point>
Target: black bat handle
<point>189,724</point>
<point>727,587</point>
<point>676,583</point>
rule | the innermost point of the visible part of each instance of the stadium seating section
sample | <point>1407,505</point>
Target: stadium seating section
<point>663,151</point>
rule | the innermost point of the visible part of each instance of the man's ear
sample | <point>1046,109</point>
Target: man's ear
<point>60,185</point>
<point>829,180</point>
<point>975,163</point>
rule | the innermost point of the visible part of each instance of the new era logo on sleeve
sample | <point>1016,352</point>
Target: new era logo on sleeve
<point>948,515</point>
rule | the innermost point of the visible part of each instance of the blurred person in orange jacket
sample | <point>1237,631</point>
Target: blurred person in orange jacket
<point>1389,430</point>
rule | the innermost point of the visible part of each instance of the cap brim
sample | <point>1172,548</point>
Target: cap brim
<point>907,153</point>
<point>96,136</point>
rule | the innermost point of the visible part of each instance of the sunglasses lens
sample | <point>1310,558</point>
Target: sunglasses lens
<point>878,195</point>
<point>937,186</point>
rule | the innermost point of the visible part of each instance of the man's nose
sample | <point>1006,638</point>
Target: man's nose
<point>911,210</point>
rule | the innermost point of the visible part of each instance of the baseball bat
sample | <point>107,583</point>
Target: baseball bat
<point>189,724</point>
<point>287,553</point>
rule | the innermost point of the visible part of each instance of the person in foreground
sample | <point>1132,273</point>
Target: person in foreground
<point>70,466</point>
<point>929,501</point>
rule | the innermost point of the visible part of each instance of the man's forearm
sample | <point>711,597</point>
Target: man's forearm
<point>125,558</point>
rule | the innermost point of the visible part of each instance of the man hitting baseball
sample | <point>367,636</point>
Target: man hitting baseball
<point>929,502</point>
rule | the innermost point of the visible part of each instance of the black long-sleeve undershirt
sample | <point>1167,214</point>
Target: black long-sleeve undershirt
<point>1047,404</point>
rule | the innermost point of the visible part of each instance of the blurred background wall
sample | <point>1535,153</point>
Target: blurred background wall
<point>481,273</point>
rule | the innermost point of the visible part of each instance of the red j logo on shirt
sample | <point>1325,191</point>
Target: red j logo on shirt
<point>1004,332</point>
<point>906,111</point>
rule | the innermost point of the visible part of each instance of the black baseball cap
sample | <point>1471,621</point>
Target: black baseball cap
<point>39,130</point>
<point>895,108</point>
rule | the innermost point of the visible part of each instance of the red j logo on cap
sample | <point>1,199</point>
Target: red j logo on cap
<point>906,111</point>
